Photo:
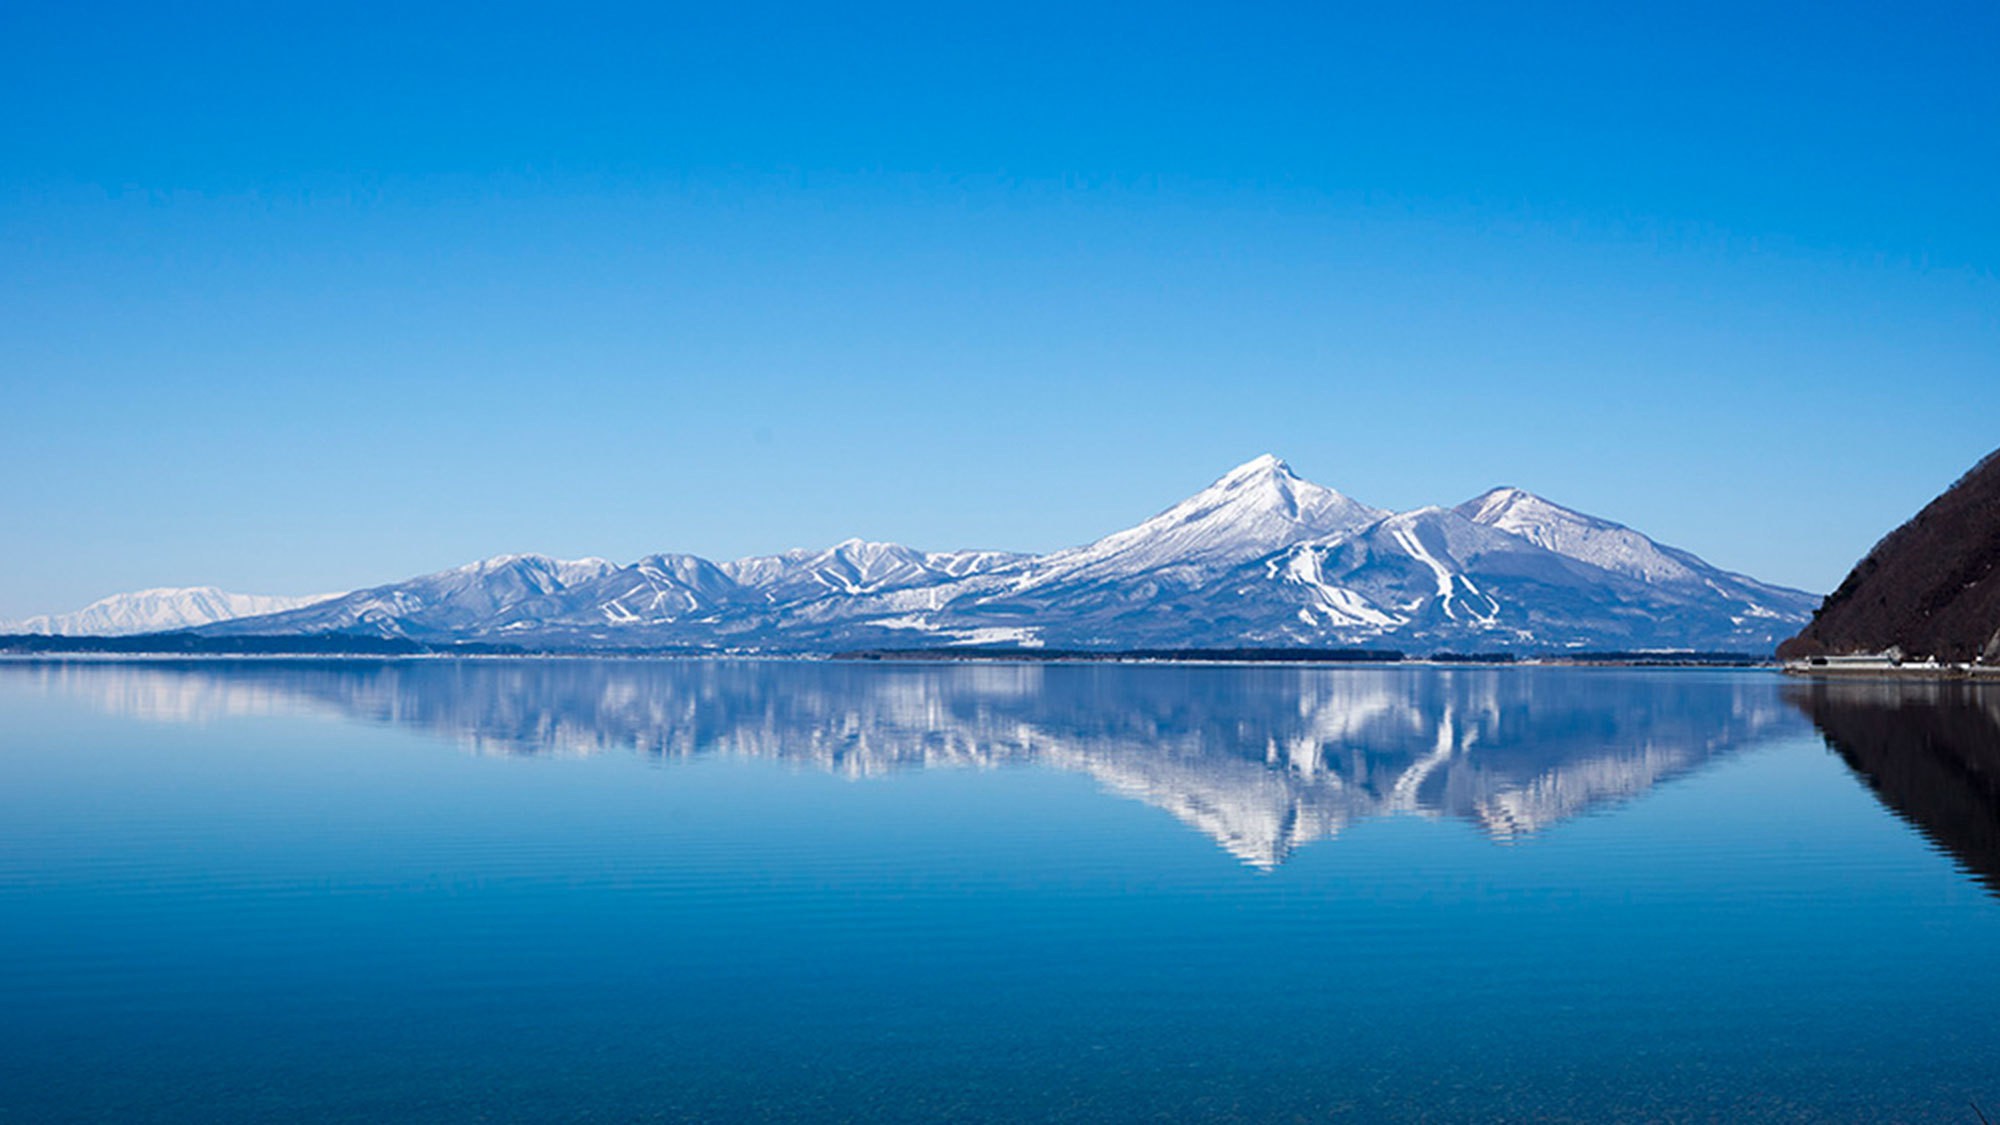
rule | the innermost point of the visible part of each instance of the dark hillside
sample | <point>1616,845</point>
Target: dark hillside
<point>1930,588</point>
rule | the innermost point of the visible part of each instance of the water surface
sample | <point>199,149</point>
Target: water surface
<point>633,890</point>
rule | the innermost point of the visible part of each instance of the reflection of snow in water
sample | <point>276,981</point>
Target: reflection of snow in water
<point>1260,759</point>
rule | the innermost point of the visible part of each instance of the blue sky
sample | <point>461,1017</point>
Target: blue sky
<point>293,301</point>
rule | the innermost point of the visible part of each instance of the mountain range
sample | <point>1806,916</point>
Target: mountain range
<point>1260,558</point>
<point>157,611</point>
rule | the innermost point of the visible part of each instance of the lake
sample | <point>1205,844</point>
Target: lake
<point>629,890</point>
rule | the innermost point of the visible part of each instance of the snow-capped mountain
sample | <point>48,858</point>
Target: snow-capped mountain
<point>475,599</point>
<point>1613,547</point>
<point>1435,578</point>
<point>1600,543</point>
<point>857,567</point>
<point>1261,557</point>
<point>1255,509</point>
<point>157,611</point>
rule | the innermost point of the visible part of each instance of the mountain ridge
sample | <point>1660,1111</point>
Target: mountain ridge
<point>1260,557</point>
<point>156,610</point>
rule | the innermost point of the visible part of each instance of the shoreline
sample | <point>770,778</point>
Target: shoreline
<point>912,659</point>
<point>1878,667</point>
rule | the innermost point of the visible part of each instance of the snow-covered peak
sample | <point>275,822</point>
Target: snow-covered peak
<point>855,566</point>
<point>1267,465</point>
<point>1516,509</point>
<point>865,553</point>
<point>1429,513</point>
<point>959,564</point>
<point>1258,507</point>
<point>159,610</point>
<point>591,564</point>
<point>1599,542</point>
<point>541,571</point>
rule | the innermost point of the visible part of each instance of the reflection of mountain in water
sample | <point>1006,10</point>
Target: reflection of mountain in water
<point>1929,749</point>
<point>1262,759</point>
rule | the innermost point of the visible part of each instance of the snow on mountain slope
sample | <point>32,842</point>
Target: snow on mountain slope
<point>856,566</point>
<point>657,590</point>
<point>1364,586</point>
<point>158,611</point>
<point>1111,591</point>
<point>1260,557</point>
<point>1442,580</point>
<point>1565,531</point>
<point>468,597</point>
<point>1621,550</point>
<point>1427,576</point>
<point>1252,510</point>
<point>964,564</point>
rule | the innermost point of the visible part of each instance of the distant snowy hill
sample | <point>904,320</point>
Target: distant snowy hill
<point>857,567</point>
<point>1261,557</point>
<point>157,611</point>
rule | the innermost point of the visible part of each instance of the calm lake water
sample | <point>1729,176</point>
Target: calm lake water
<point>635,891</point>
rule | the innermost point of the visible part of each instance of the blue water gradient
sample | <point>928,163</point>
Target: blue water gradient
<point>638,891</point>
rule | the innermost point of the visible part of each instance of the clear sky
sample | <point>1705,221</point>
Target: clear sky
<point>298,299</point>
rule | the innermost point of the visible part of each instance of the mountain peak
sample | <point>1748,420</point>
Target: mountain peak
<point>1267,465</point>
<point>160,609</point>
<point>1577,535</point>
<point>1511,509</point>
<point>563,572</point>
<point>1264,490</point>
<point>1256,508</point>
